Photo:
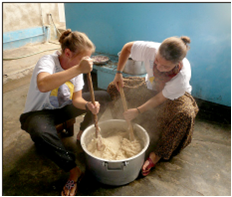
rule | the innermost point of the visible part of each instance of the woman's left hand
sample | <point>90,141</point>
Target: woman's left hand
<point>130,114</point>
<point>94,108</point>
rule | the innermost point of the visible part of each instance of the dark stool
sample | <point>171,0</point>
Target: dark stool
<point>66,128</point>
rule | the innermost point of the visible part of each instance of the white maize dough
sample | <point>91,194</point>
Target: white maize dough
<point>117,147</point>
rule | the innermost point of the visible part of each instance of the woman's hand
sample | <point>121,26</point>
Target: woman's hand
<point>118,81</point>
<point>130,114</point>
<point>86,65</point>
<point>93,108</point>
<point>125,53</point>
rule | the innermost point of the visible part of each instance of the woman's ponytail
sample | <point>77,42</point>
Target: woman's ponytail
<point>186,40</point>
<point>64,35</point>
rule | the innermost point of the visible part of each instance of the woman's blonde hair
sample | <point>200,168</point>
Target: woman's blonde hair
<point>174,49</point>
<point>77,42</point>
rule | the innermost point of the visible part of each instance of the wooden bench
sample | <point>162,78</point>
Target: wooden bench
<point>66,128</point>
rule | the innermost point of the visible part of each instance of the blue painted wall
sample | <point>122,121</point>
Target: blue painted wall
<point>111,25</point>
<point>16,39</point>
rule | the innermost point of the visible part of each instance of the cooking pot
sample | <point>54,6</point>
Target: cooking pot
<point>114,172</point>
<point>133,67</point>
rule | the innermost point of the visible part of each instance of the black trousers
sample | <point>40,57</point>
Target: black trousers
<point>41,125</point>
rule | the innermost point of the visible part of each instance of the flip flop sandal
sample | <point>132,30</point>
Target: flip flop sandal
<point>70,184</point>
<point>150,166</point>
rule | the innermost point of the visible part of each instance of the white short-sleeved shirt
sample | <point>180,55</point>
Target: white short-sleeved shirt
<point>146,51</point>
<point>56,98</point>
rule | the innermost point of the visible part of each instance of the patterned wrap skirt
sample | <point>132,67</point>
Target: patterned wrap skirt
<point>169,125</point>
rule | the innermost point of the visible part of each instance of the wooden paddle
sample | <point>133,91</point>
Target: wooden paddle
<point>97,128</point>
<point>131,132</point>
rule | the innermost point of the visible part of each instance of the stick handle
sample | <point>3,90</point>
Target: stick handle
<point>131,134</point>
<point>123,99</point>
<point>90,84</point>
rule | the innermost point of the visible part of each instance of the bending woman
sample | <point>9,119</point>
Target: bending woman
<point>164,98</point>
<point>55,96</point>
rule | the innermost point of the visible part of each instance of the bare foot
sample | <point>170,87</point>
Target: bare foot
<point>79,135</point>
<point>70,187</point>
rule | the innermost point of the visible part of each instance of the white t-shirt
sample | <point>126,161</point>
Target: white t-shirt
<point>56,98</point>
<point>146,51</point>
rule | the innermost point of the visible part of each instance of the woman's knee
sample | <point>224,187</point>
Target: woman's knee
<point>36,132</point>
<point>39,127</point>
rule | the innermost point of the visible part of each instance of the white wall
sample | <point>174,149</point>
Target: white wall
<point>18,16</point>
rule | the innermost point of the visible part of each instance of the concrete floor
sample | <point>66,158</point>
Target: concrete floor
<point>203,168</point>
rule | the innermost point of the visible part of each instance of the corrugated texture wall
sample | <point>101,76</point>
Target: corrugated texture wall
<point>111,25</point>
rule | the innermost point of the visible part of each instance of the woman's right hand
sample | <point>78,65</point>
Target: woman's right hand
<point>125,53</point>
<point>118,81</point>
<point>86,65</point>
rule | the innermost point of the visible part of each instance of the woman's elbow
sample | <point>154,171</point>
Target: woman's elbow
<point>42,87</point>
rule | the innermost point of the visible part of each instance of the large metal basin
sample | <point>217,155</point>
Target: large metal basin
<point>114,172</point>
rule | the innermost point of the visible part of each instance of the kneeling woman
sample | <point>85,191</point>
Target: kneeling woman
<point>164,99</point>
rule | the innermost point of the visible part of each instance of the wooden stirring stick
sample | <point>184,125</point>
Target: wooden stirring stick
<point>97,129</point>
<point>131,132</point>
